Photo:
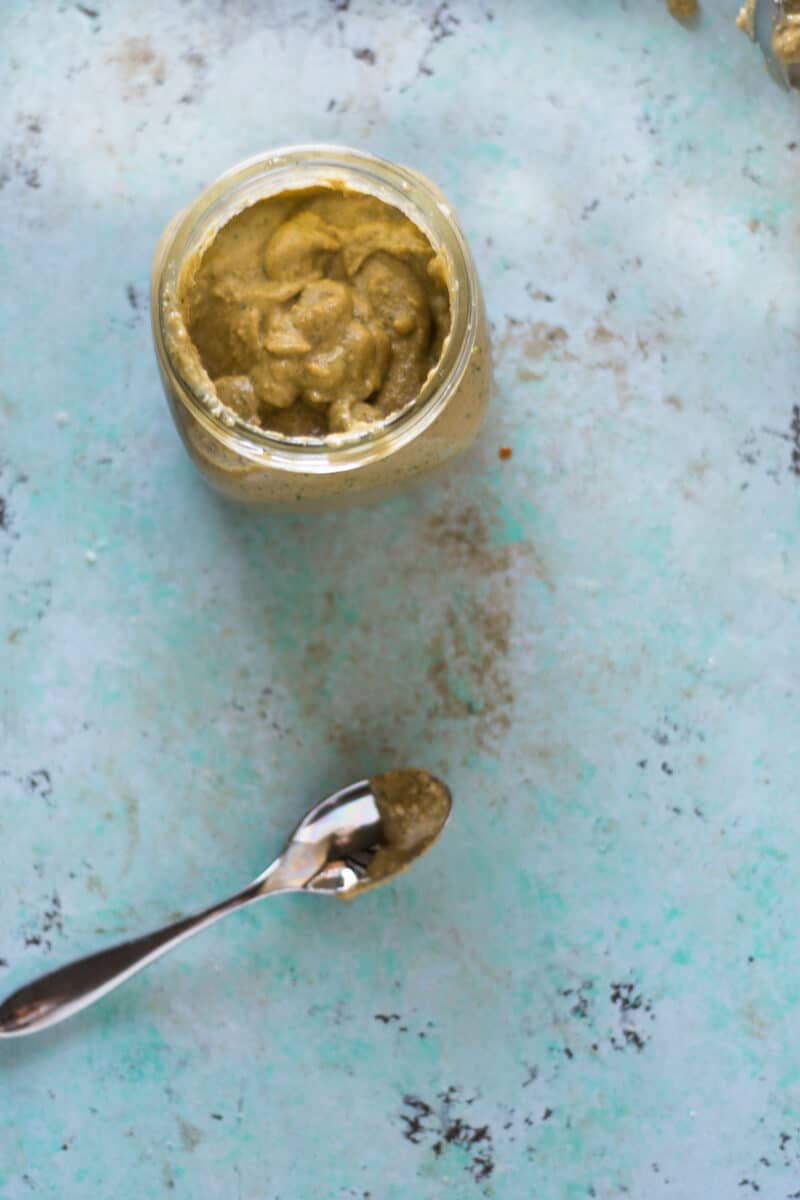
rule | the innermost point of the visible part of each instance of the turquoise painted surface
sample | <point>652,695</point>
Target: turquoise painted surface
<point>591,988</point>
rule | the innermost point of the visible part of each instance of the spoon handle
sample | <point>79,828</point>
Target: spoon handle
<point>67,990</point>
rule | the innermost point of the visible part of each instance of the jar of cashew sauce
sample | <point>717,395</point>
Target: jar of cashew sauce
<point>319,328</point>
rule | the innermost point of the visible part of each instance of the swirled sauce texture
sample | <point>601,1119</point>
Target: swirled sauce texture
<point>786,36</point>
<point>317,311</point>
<point>414,806</point>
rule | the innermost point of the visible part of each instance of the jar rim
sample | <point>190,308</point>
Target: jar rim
<point>318,164</point>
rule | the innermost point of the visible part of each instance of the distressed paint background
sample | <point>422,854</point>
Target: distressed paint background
<point>590,989</point>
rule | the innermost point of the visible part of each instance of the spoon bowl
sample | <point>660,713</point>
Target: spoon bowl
<point>337,840</point>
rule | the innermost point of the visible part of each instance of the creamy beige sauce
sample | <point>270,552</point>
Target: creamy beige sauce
<point>414,807</point>
<point>786,39</point>
<point>453,430</point>
<point>683,10</point>
<point>746,20</point>
<point>315,312</point>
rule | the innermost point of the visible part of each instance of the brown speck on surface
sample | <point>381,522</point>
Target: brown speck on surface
<point>505,453</point>
<point>191,1136</point>
<point>132,819</point>
<point>699,468</point>
<point>366,55</point>
<point>602,335</point>
<point>465,539</point>
<point>370,729</point>
<point>469,667</point>
<point>137,52</point>
<point>543,339</point>
<point>754,224</point>
<point>319,651</point>
<point>139,65</point>
<point>533,341</point>
<point>674,402</point>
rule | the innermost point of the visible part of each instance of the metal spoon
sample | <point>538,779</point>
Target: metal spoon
<point>329,853</point>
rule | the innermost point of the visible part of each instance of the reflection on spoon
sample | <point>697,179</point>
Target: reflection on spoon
<point>413,807</point>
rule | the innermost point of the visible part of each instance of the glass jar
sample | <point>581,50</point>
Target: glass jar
<point>263,467</point>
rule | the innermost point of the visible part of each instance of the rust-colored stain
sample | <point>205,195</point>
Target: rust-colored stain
<point>464,539</point>
<point>532,341</point>
<point>505,453</point>
<point>132,821</point>
<point>698,468</point>
<point>469,666</point>
<point>140,66</point>
<point>95,884</point>
<point>602,335</point>
<point>191,1136</point>
<point>319,651</point>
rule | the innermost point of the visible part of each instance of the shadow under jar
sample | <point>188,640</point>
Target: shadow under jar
<point>263,466</point>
